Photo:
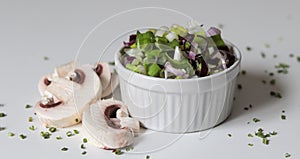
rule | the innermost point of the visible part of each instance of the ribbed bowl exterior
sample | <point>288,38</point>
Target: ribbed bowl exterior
<point>179,106</point>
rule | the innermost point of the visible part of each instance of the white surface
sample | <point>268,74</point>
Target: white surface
<point>31,30</point>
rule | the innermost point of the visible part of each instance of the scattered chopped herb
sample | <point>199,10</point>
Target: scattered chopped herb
<point>2,128</point>
<point>128,148</point>
<point>256,120</point>
<point>22,136</point>
<point>76,131</point>
<point>10,134</point>
<point>283,111</point>
<point>273,133</point>
<point>282,68</point>
<point>82,146</point>
<point>248,48</point>
<point>58,137</point>
<point>239,86</point>
<point>271,74</point>
<point>248,122</point>
<point>250,105</point>
<point>45,135</point>
<point>229,135</point>
<point>34,113</point>
<point>84,153</point>
<point>112,63</point>
<point>275,94</point>
<point>283,117</point>
<point>3,115</point>
<point>264,137</point>
<point>250,144</point>
<point>272,82</point>
<point>28,106</point>
<point>52,129</point>
<point>287,155</point>
<point>84,140</point>
<point>298,58</point>
<point>64,149</point>
<point>291,55</point>
<point>246,108</point>
<point>243,72</point>
<point>30,119</point>
<point>265,141</point>
<point>250,135</point>
<point>267,45</point>
<point>147,157</point>
<point>275,56</point>
<point>118,151</point>
<point>264,81</point>
<point>32,128</point>
<point>263,55</point>
<point>76,120</point>
<point>69,133</point>
<point>46,58</point>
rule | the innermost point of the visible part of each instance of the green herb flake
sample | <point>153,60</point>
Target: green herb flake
<point>84,140</point>
<point>273,133</point>
<point>76,131</point>
<point>283,111</point>
<point>263,55</point>
<point>246,108</point>
<point>255,120</point>
<point>298,58</point>
<point>76,120</point>
<point>147,157</point>
<point>112,63</point>
<point>282,68</point>
<point>229,135</point>
<point>2,115</point>
<point>58,138</point>
<point>250,144</point>
<point>275,56</point>
<point>239,86</point>
<point>32,128</point>
<point>250,135</point>
<point>82,146</point>
<point>46,58</point>
<point>22,136</point>
<point>287,155</point>
<point>283,117</point>
<point>64,149</point>
<point>69,133</point>
<point>271,74</point>
<point>243,72</point>
<point>118,151</point>
<point>84,153</point>
<point>30,119</point>
<point>52,129</point>
<point>129,148</point>
<point>265,141</point>
<point>28,106</point>
<point>275,94</point>
<point>291,55</point>
<point>272,81</point>
<point>2,128</point>
<point>45,135</point>
<point>248,48</point>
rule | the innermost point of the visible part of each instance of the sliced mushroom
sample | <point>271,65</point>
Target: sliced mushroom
<point>44,82</point>
<point>108,125</point>
<point>114,82</point>
<point>64,70</point>
<point>65,99</point>
<point>103,71</point>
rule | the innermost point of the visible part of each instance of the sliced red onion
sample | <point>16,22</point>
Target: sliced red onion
<point>192,55</point>
<point>175,71</point>
<point>212,31</point>
<point>127,60</point>
<point>132,39</point>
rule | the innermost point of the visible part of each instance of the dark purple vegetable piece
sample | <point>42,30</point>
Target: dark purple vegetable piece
<point>132,40</point>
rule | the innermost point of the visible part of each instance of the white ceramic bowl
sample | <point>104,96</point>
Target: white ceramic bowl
<point>179,105</point>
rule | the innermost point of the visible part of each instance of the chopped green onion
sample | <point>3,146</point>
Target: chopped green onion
<point>128,148</point>
<point>30,119</point>
<point>229,135</point>
<point>84,153</point>
<point>272,82</point>
<point>243,72</point>
<point>246,108</point>
<point>275,94</point>
<point>282,68</point>
<point>256,120</point>
<point>263,55</point>
<point>76,131</point>
<point>82,146</point>
<point>147,157</point>
<point>248,48</point>
<point>2,128</point>
<point>22,136</point>
<point>265,141</point>
<point>271,74</point>
<point>76,120</point>
<point>28,106</point>
<point>287,155</point>
<point>273,133</point>
<point>58,138</point>
<point>239,86</point>
<point>250,144</point>
<point>250,135</point>
<point>298,58</point>
<point>64,149</point>
<point>283,117</point>
<point>84,140</point>
<point>112,63</point>
<point>250,105</point>
<point>3,115</point>
<point>45,135</point>
<point>291,55</point>
<point>10,134</point>
<point>32,128</point>
<point>52,129</point>
<point>46,58</point>
<point>69,134</point>
<point>118,151</point>
<point>283,111</point>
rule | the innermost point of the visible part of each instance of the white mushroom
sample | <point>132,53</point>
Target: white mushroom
<point>64,70</point>
<point>65,98</point>
<point>108,125</point>
<point>114,82</point>
<point>44,82</point>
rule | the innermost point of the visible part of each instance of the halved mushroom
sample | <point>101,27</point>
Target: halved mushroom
<point>65,98</point>
<point>108,125</point>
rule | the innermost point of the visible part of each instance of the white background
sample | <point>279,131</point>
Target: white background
<point>30,30</point>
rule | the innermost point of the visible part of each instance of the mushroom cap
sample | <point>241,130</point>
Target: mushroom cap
<point>72,97</point>
<point>102,124</point>
<point>43,83</point>
<point>63,70</point>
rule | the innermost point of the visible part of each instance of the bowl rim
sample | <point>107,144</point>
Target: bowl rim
<point>236,64</point>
